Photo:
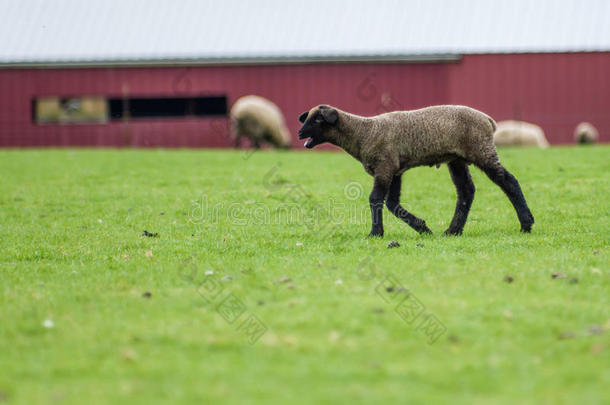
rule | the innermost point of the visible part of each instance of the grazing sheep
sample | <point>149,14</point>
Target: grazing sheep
<point>389,144</point>
<point>260,120</point>
<point>519,133</point>
<point>585,133</point>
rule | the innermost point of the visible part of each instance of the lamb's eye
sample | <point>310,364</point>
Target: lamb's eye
<point>319,120</point>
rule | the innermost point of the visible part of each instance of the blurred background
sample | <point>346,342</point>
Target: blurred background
<point>160,73</point>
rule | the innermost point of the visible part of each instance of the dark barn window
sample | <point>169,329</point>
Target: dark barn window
<point>97,109</point>
<point>126,108</point>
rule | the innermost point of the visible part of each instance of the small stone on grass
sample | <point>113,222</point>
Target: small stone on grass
<point>129,355</point>
<point>596,348</point>
<point>567,335</point>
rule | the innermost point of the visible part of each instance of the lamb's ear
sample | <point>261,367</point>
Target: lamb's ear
<point>330,115</point>
<point>303,117</point>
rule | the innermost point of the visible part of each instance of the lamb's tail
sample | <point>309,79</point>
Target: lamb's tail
<point>493,124</point>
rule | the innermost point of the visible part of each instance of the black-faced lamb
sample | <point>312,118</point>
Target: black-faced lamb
<point>260,120</point>
<point>585,133</point>
<point>389,144</point>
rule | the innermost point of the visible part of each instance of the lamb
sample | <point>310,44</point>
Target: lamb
<point>519,133</point>
<point>389,144</point>
<point>260,120</point>
<point>585,133</point>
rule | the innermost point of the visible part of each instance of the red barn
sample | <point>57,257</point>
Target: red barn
<point>164,74</point>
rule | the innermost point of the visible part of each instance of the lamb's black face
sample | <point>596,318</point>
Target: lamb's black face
<point>315,123</point>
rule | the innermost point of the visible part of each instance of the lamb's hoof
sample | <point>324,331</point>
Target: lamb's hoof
<point>375,234</point>
<point>425,231</point>
<point>526,223</point>
<point>421,227</point>
<point>453,232</point>
<point>526,227</point>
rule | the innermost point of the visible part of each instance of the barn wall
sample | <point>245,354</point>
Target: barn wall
<point>555,91</point>
<point>361,88</point>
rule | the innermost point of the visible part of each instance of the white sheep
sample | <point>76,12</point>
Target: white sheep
<point>259,120</point>
<point>585,133</point>
<point>519,133</point>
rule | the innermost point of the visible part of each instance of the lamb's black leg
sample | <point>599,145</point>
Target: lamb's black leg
<point>509,184</point>
<point>393,204</point>
<point>380,189</point>
<point>465,194</point>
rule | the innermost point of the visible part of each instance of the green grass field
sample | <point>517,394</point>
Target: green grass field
<point>262,288</point>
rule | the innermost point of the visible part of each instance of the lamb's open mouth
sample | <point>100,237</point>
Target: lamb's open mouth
<point>309,143</point>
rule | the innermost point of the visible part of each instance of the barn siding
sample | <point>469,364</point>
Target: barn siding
<point>555,91</point>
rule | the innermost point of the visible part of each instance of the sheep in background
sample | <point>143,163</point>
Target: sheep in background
<point>519,133</point>
<point>389,144</point>
<point>260,120</point>
<point>585,133</point>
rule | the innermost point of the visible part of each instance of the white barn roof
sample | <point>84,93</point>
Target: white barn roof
<point>221,31</point>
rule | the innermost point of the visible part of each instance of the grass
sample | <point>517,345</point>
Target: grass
<point>72,258</point>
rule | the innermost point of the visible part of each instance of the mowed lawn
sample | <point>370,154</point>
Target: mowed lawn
<point>261,287</point>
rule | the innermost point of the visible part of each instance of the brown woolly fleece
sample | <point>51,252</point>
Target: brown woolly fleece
<point>389,144</point>
<point>401,140</point>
